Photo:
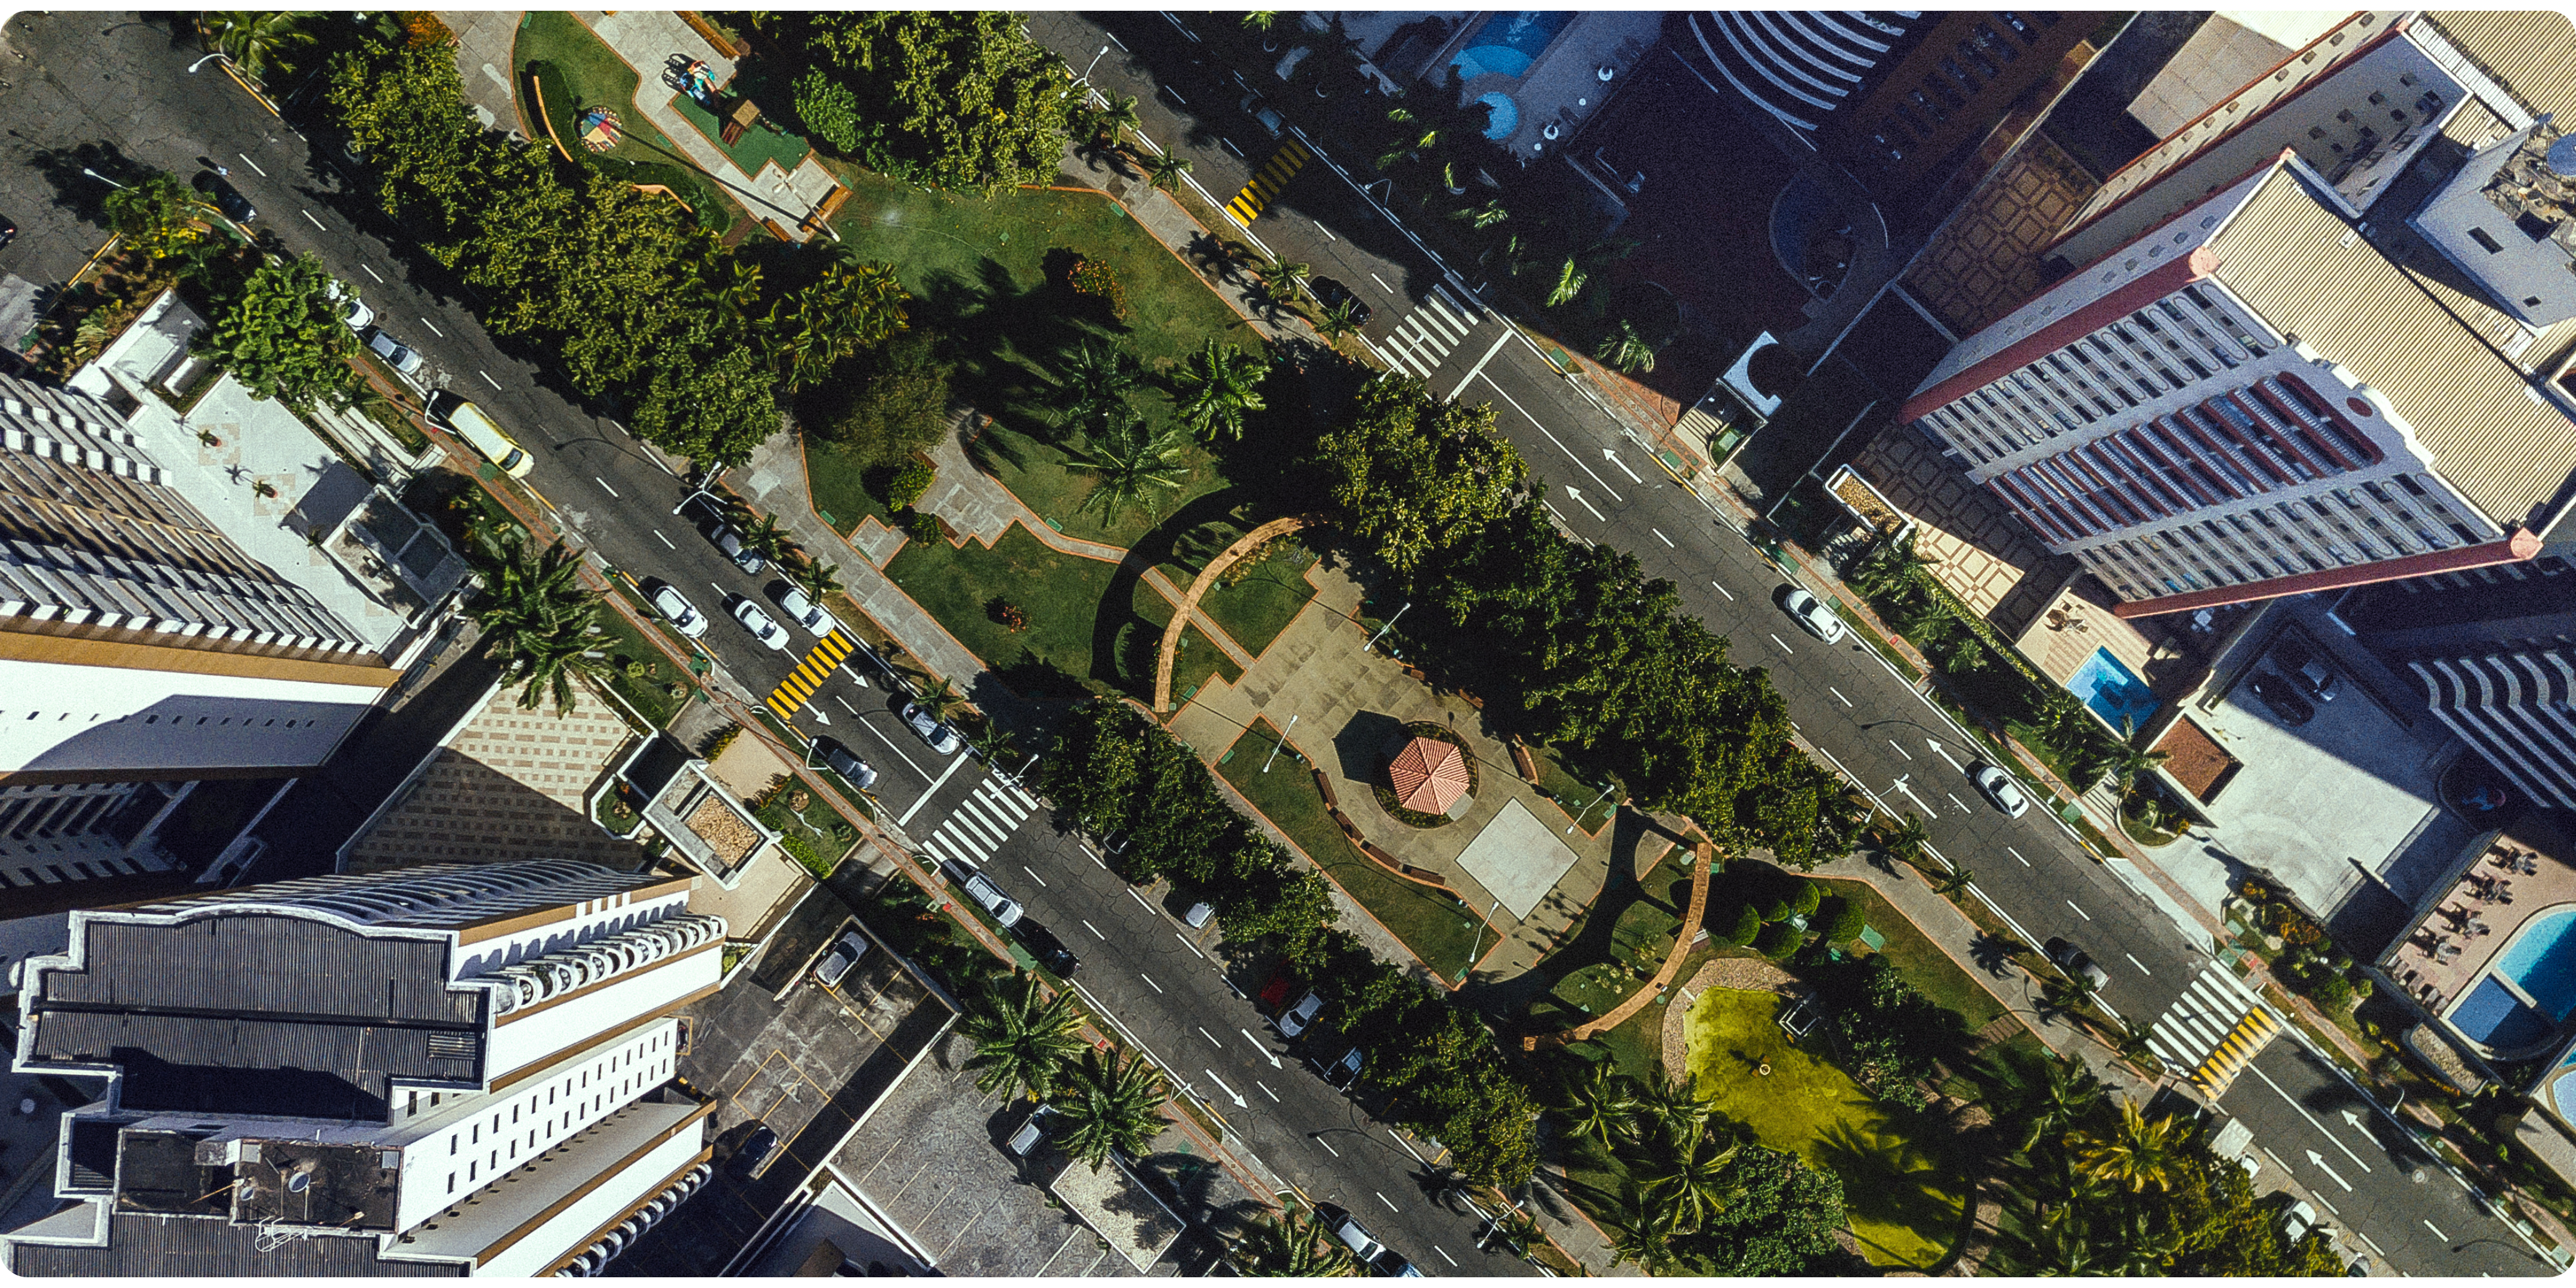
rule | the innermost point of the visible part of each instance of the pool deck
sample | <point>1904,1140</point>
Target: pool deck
<point>2415,962</point>
<point>1561,86</point>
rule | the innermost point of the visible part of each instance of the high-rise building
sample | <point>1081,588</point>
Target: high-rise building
<point>443,1070</point>
<point>2263,392</point>
<point>142,649</point>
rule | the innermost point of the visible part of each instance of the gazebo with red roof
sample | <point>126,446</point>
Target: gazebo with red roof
<point>1429,776</point>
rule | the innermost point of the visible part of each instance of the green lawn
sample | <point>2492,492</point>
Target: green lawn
<point>816,837</point>
<point>979,270</point>
<point>1197,660</point>
<point>648,693</point>
<point>1061,594</point>
<point>1434,926</point>
<point>594,76</point>
<point>1572,793</point>
<point>757,145</point>
<point>1902,1195</point>
<point>1915,956</point>
<point>1257,608</point>
<point>839,484</point>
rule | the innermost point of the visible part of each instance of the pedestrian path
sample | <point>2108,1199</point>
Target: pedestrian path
<point>1422,341</point>
<point>1268,181</point>
<point>982,821</point>
<point>809,675</point>
<point>2214,1029</point>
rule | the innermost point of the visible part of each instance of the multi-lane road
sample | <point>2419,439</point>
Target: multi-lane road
<point>93,79</point>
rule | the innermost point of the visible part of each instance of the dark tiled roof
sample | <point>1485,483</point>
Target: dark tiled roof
<point>196,1247</point>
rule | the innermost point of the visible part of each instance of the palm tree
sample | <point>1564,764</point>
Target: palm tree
<point>1642,1225</point>
<point>1625,349</point>
<point>256,41</point>
<point>536,617</point>
<point>1118,114</point>
<point>2135,1153</point>
<point>1023,1039</point>
<point>2061,1250</point>
<point>1337,321</point>
<point>1903,839</point>
<point>770,541</point>
<point>942,702</point>
<point>1672,1105</point>
<point>1220,385</point>
<point>1284,279</point>
<point>1952,881</point>
<point>1164,171</point>
<point>733,287</point>
<point>2036,1096</point>
<point>850,305</point>
<point>160,213</point>
<point>2127,762</point>
<point>1888,565</point>
<point>1096,379</point>
<point>1129,464</point>
<point>1260,19</point>
<point>1116,1103</point>
<point>1599,1102</point>
<point>1295,1245</point>
<point>1569,283</point>
<point>1484,216</point>
<point>817,578</point>
<point>1692,1172</point>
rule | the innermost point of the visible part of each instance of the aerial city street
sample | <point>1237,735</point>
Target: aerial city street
<point>1732,643</point>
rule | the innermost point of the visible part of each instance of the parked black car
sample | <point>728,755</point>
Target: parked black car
<point>1043,945</point>
<point>1331,294</point>
<point>2305,669</point>
<point>2284,700</point>
<point>227,198</point>
<point>754,1148</point>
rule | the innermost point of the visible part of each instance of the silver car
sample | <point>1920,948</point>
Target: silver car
<point>396,354</point>
<point>843,956</point>
<point>941,738</point>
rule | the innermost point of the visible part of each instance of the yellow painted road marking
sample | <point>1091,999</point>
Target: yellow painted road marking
<point>1268,181</point>
<point>818,665</point>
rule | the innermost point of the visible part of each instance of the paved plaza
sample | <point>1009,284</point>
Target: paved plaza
<point>1518,858</point>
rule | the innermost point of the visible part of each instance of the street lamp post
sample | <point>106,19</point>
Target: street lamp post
<point>192,67</point>
<point>101,178</point>
<point>1095,62</point>
<point>1587,808</point>
<point>1274,747</point>
<point>1479,944</point>
<point>1390,625</point>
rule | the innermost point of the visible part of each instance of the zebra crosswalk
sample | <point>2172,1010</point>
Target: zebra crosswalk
<point>791,694</point>
<point>1422,341</point>
<point>2213,1030</point>
<point>983,820</point>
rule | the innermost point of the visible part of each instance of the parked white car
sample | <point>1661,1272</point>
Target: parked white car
<point>676,609</point>
<point>1815,615</point>
<point>396,354</point>
<point>2000,788</point>
<point>760,624</point>
<point>941,738</point>
<point>797,607</point>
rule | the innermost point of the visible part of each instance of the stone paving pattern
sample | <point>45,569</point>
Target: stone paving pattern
<point>510,785</point>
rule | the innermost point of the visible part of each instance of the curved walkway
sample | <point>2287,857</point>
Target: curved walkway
<point>1653,988</point>
<point>1189,603</point>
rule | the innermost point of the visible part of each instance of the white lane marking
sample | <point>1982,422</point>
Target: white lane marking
<point>1265,1090</point>
<point>1328,1148</point>
<point>1211,1039</point>
<point>1319,227</point>
<point>1479,368</point>
<point>892,746</point>
<point>433,328</point>
<point>2312,1121</point>
<point>1229,146</point>
<point>1122,45</point>
<point>308,218</point>
<point>1578,500</point>
<point>1444,1256</point>
<point>2437,1232</point>
<point>371,273</point>
<point>2079,911</point>
<point>1954,799</point>
<point>2366,1239</point>
<point>935,783</point>
<point>1095,930</point>
<point>1784,644</point>
<point>2142,966</point>
<point>1095,859</point>
<point>1900,749</point>
<point>1381,284</point>
<point>1837,693</point>
<point>604,487</point>
<point>1185,943</point>
<point>1033,876</point>
<point>1176,97</point>
<point>2016,854</point>
<point>1560,514</point>
<point>1140,900</point>
<point>845,706</point>
<point>1390,1203</point>
<point>487,377</point>
<point>1668,541</point>
<point>1463,311</point>
<point>719,586</point>
<point>252,164</point>
<point>1150,980</point>
<point>1551,437</point>
<point>666,541</point>
<point>1730,595</point>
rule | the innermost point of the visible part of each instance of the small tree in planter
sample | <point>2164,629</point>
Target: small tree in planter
<point>1094,280</point>
<point>909,485</point>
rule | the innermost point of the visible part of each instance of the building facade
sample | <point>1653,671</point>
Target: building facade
<point>145,650</point>
<point>443,1070</point>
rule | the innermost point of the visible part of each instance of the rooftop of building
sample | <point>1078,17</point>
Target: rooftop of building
<point>95,1245</point>
<point>2439,362</point>
<point>2530,188</point>
<point>477,1225</point>
<point>2468,958</point>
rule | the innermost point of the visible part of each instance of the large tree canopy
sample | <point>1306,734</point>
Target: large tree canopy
<point>946,98</point>
<point>280,335</point>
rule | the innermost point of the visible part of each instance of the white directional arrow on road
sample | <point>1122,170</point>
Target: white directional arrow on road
<point>1578,500</point>
<point>1241,1103</point>
<point>2320,1161</point>
<point>1257,1046</point>
<point>819,717</point>
<point>2355,1119</point>
<point>1623,465</point>
<point>1900,786</point>
<point>1936,750</point>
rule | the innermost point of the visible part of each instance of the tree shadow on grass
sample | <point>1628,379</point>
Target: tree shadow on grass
<point>1890,1180</point>
<point>1505,1000</point>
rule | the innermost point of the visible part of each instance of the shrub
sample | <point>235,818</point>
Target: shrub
<point>1010,616</point>
<point>1776,907</point>
<point>1093,280</point>
<point>1838,920</point>
<point>1747,925</point>
<point>1804,898</point>
<point>908,485</point>
<point>1778,940</point>
<point>921,527</point>
<point>719,740</point>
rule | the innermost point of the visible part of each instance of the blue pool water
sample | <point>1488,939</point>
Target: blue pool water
<point>1508,43</point>
<point>2543,962</point>
<point>2113,691</point>
<point>1505,117</point>
<point>2496,1017</point>
<point>2563,1091</point>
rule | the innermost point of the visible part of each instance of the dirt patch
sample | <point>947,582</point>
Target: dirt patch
<point>1748,974</point>
<point>715,823</point>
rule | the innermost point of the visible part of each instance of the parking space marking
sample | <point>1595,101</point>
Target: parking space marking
<point>1954,799</point>
<point>1140,900</point>
<point>1381,284</point>
<point>1390,1203</point>
<point>666,541</point>
<point>1838,693</point>
<point>2142,966</point>
<point>252,164</point>
<point>487,377</point>
<point>2016,854</point>
<point>1229,146</point>
<point>2079,911</point>
<point>604,487</point>
<point>433,328</point>
<point>1327,232</point>
<point>1150,980</point>
<point>1668,541</point>
<point>1033,876</point>
<point>1784,644</point>
<point>308,218</point>
<point>1210,1037</point>
<point>1185,943</point>
<point>1095,930</point>
<point>1328,1146</point>
<point>1444,1256</point>
<point>2437,1232</point>
<point>372,273</point>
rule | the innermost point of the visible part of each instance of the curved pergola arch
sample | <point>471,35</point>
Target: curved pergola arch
<point>1169,650</point>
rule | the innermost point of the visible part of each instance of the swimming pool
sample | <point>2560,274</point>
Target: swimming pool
<point>1508,43</point>
<point>2542,962</point>
<point>2493,1015</point>
<point>1505,117</point>
<point>2114,691</point>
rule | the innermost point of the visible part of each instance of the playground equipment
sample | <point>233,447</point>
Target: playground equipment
<point>691,77</point>
<point>600,129</point>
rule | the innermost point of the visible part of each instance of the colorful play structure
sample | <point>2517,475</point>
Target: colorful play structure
<point>600,129</point>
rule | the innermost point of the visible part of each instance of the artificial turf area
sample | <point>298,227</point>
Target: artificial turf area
<point>1903,1197</point>
<point>1438,930</point>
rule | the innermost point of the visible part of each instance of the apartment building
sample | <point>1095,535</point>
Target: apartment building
<point>446,1070</point>
<point>2305,372</point>
<point>144,650</point>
